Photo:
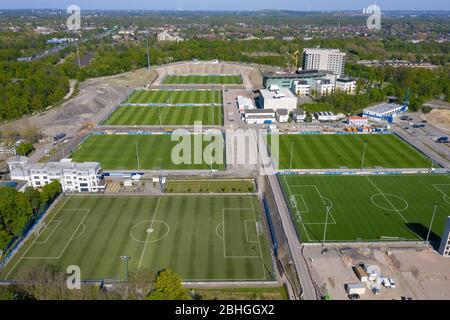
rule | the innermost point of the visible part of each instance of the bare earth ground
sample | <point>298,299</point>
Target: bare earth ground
<point>439,118</point>
<point>419,273</point>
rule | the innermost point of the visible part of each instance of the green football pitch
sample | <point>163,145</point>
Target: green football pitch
<point>174,97</point>
<point>210,186</point>
<point>201,238</point>
<point>145,152</point>
<point>203,79</point>
<point>351,151</point>
<point>367,208</point>
<point>125,116</point>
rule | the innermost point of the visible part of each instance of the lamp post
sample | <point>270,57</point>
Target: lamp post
<point>326,224</point>
<point>125,259</point>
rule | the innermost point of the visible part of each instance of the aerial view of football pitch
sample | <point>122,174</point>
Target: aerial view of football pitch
<point>154,116</point>
<point>203,79</point>
<point>207,238</point>
<point>175,97</point>
<point>142,152</point>
<point>367,208</point>
<point>356,151</point>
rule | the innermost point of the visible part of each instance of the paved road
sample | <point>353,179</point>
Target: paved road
<point>309,292</point>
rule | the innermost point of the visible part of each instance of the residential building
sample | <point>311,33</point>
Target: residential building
<point>444,248</point>
<point>166,36</point>
<point>331,60</point>
<point>324,87</point>
<point>346,85</point>
<point>299,115</point>
<point>301,88</point>
<point>282,115</point>
<point>74,177</point>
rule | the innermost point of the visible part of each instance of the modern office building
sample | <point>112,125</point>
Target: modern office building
<point>286,80</point>
<point>331,60</point>
<point>384,112</point>
<point>346,85</point>
<point>74,177</point>
<point>301,88</point>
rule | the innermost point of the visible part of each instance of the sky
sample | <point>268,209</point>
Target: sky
<point>301,5</point>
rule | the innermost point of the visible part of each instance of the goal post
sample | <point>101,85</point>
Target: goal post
<point>40,227</point>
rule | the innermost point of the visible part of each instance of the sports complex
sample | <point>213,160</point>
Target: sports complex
<point>220,79</point>
<point>207,238</point>
<point>147,151</point>
<point>352,151</point>
<point>370,208</point>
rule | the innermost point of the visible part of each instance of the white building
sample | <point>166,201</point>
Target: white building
<point>324,59</point>
<point>74,177</point>
<point>166,36</point>
<point>357,121</point>
<point>301,88</point>
<point>260,116</point>
<point>444,248</point>
<point>384,112</point>
<point>282,115</point>
<point>299,115</point>
<point>245,104</point>
<point>346,85</point>
<point>324,87</point>
<point>326,116</point>
<point>275,98</point>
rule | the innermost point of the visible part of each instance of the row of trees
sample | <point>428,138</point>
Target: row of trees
<point>18,208</point>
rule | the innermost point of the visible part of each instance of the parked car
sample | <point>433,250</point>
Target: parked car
<point>376,291</point>
<point>393,285</point>
<point>386,283</point>
<point>354,296</point>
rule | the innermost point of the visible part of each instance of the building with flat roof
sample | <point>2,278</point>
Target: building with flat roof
<point>245,104</point>
<point>259,116</point>
<point>444,248</point>
<point>282,115</point>
<point>384,112</point>
<point>346,85</point>
<point>331,60</point>
<point>73,176</point>
<point>301,88</point>
<point>278,99</point>
<point>286,80</point>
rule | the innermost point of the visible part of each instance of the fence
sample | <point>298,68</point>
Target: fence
<point>17,242</point>
<point>273,236</point>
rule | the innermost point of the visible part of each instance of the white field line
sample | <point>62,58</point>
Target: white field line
<point>246,231</point>
<point>148,235</point>
<point>259,242</point>
<point>58,222</point>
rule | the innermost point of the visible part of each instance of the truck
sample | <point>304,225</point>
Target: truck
<point>355,288</point>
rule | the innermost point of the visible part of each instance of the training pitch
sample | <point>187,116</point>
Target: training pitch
<point>154,116</point>
<point>144,152</point>
<point>210,186</point>
<point>175,97</point>
<point>356,151</point>
<point>202,238</point>
<point>203,79</point>
<point>367,208</point>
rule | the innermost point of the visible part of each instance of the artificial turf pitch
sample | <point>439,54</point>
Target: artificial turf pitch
<point>337,151</point>
<point>210,186</point>
<point>141,152</point>
<point>175,97</point>
<point>153,116</point>
<point>200,238</point>
<point>203,79</point>
<point>367,208</point>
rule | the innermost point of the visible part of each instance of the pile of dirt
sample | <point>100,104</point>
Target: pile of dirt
<point>439,118</point>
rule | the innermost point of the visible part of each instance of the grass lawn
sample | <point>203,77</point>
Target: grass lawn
<point>118,152</point>
<point>200,238</point>
<point>126,116</point>
<point>203,79</point>
<point>210,186</point>
<point>174,97</point>
<point>367,208</point>
<point>336,151</point>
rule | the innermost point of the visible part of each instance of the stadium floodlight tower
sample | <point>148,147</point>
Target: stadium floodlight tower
<point>125,259</point>
<point>435,206</point>
<point>148,52</point>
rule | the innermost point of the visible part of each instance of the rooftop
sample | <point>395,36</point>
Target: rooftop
<point>384,107</point>
<point>298,75</point>
<point>279,94</point>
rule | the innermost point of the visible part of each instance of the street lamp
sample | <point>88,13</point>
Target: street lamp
<point>125,259</point>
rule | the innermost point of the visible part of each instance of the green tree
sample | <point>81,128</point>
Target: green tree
<point>168,286</point>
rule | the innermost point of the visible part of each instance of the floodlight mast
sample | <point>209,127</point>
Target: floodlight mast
<point>125,259</point>
<point>435,206</point>
<point>148,53</point>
